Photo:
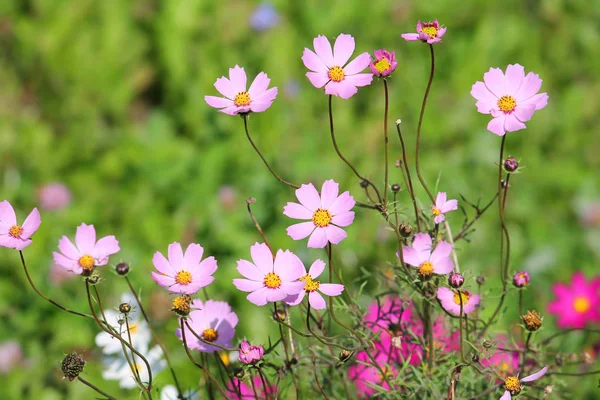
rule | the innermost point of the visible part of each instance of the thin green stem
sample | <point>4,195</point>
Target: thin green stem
<point>385,140</point>
<point>411,190</point>
<point>97,389</point>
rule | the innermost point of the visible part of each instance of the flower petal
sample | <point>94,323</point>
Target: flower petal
<point>496,125</point>
<point>539,100</point>
<point>512,124</point>
<point>442,250</point>
<point>161,264</point>
<point>318,79</point>
<point>359,80</point>
<point>68,248</point>
<point>67,263</point>
<point>226,88</point>
<point>288,266</point>
<point>535,376</point>
<point>334,234</point>
<point>258,297</point>
<point>7,214</point>
<point>85,238</point>
<point>345,202</point>
<point>175,256</point>
<point>411,37</point>
<point>343,219</point>
<point>297,211</point>
<point>247,285</point>
<point>313,62</point>
<point>329,193</point>
<point>331,289</point>
<point>105,247</point>
<point>495,82</point>
<point>301,230</point>
<point>262,257</point>
<point>323,50</point>
<point>524,112</point>
<point>250,271</point>
<point>31,224</point>
<point>237,76</point>
<point>343,49</point>
<point>515,74</point>
<point>531,85</point>
<point>316,301</point>
<point>316,268</point>
<point>359,64</point>
<point>506,396</point>
<point>309,197</point>
<point>259,85</point>
<point>218,102</point>
<point>422,243</point>
<point>318,239</point>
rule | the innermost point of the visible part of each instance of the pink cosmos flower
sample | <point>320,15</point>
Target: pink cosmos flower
<point>429,32</point>
<point>328,212</point>
<point>521,279</point>
<point>419,255</point>
<point>270,280</point>
<point>513,386</point>
<point>384,63</point>
<point>577,304</point>
<point>510,98</point>
<point>240,390</point>
<point>87,253</point>
<point>184,273</point>
<point>365,375</point>
<point>214,321</point>
<point>12,235</point>
<point>329,67</point>
<point>54,196</point>
<point>442,207</point>
<point>451,300</point>
<point>239,101</point>
<point>312,287</point>
<point>250,354</point>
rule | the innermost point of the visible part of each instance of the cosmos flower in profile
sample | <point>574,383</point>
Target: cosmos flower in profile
<point>428,32</point>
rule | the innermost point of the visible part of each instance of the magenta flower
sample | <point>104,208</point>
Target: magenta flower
<point>510,98</point>
<point>521,279</point>
<point>442,207</point>
<point>328,212</point>
<point>12,235</point>
<point>184,273</point>
<point>329,67</point>
<point>239,101</point>
<point>270,280</point>
<point>312,287</point>
<point>419,255</point>
<point>513,387</point>
<point>384,63</point>
<point>240,390</point>
<point>365,375</point>
<point>250,354</point>
<point>577,304</point>
<point>429,32</point>
<point>451,299</point>
<point>87,253</point>
<point>213,321</point>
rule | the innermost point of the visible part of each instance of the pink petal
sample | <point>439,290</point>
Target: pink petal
<point>175,255</point>
<point>443,266</point>
<point>260,106</point>
<point>344,203</point>
<point>292,288</point>
<point>105,247</point>
<point>226,88</point>
<point>301,230</point>
<point>316,268</point>
<point>472,303</point>
<point>68,248</point>
<point>535,376</point>
<point>297,211</point>
<point>524,112</point>
<point>85,238</point>
<point>193,255</point>
<point>163,280</point>
<point>495,82</point>
<point>439,218</point>
<point>441,32</point>
<point>208,266</point>
<point>250,271</point>
<point>288,266</point>
<point>515,74</point>
<point>67,263</point>
<point>329,193</point>
<point>237,76</point>
<point>343,49</point>
<point>246,285</point>
<point>343,219</point>
<point>506,396</point>
<point>258,297</point>
<point>19,244</point>
<point>539,100</point>
<point>313,62</point>
<point>259,85</point>
<point>359,64</point>
<point>276,294</point>
<point>334,234</point>
<point>341,89</point>
<point>512,124</point>
<point>496,125</point>
<point>331,289</point>
<point>442,250</point>
<point>411,256</point>
<point>218,102</point>
<point>531,85</point>
<point>309,197</point>
<point>318,239</point>
<point>359,80</point>
<point>440,200</point>
<point>160,263</point>
<point>233,110</point>
<point>480,92</point>
<point>411,37</point>
<point>316,301</point>
<point>295,300</point>
<point>323,50</point>
<point>266,96</point>
<point>31,224</point>
<point>262,257</point>
<point>419,26</point>
<point>7,214</point>
<point>422,243</point>
<point>450,205</point>
<point>318,79</point>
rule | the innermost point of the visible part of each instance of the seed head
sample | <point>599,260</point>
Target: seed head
<point>72,366</point>
<point>532,321</point>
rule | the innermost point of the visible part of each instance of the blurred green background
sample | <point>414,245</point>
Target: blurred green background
<point>106,97</point>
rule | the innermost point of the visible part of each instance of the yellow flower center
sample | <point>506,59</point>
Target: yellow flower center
<point>581,304</point>
<point>183,278</point>
<point>430,30</point>
<point>241,99</point>
<point>382,65</point>
<point>210,335</point>
<point>513,385</point>
<point>458,296</point>
<point>507,103</point>
<point>310,285</point>
<point>426,269</point>
<point>436,211</point>
<point>272,281</point>
<point>181,304</point>
<point>86,262</point>
<point>336,74</point>
<point>15,231</point>
<point>321,217</point>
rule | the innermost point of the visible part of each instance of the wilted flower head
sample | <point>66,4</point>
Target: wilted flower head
<point>214,322</point>
<point>384,63</point>
<point>429,32</point>
<point>16,236</point>
<point>532,321</point>
<point>328,67</point>
<point>54,196</point>
<point>452,299</point>
<point>513,386</point>
<point>250,354</point>
<point>521,279</point>
<point>264,17</point>
<point>510,98</point>
<point>239,101</point>
<point>428,262</point>
<point>72,365</point>
<point>577,304</point>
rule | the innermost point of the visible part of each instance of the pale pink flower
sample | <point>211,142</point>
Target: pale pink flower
<point>269,279</point>
<point>384,64</point>
<point>578,304</point>
<point>510,98</point>
<point>213,321</point>
<point>451,300</point>
<point>250,354</point>
<point>16,236</point>
<point>87,253</point>
<point>327,213</point>
<point>184,273</point>
<point>513,387</point>
<point>237,99</point>
<point>329,67</point>
<point>429,32</point>
<point>442,207</point>
<point>419,255</point>
<point>312,287</point>
<point>54,196</point>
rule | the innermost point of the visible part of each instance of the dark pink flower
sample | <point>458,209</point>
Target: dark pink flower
<point>577,304</point>
<point>240,390</point>
<point>429,32</point>
<point>365,375</point>
<point>250,354</point>
<point>16,236</point>
<point>384,63</point>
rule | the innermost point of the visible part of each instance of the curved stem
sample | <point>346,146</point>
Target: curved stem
<point>411,190</point>
<point>421,122</point>
<point>385,141</point>
<point>103,393</point>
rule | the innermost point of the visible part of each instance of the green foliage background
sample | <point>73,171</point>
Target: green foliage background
<point>107,97</point>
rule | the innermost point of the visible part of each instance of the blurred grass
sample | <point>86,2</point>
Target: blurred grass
<point>107,97</point>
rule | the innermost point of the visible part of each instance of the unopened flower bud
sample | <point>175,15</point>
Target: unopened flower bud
<point>480,280</point>
<point>94,279</point>
<point>395,187</point>
<point>238,373</point>
<point>521,279</point>
<point>532,321</point>
<point>511,164</point>
<point>122,269</point>
<point>345,355</point>
<point>456,280</point>
<point>364,184</point>
<point>124,308</point>
<point>72,365</point>
<point>475,358</point>
<point>487,344</point>
<point>250,354</point>
<point>181,305</point>
<point>406,230</point>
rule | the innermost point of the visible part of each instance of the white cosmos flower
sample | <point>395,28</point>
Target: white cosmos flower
<point>118,368</point>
